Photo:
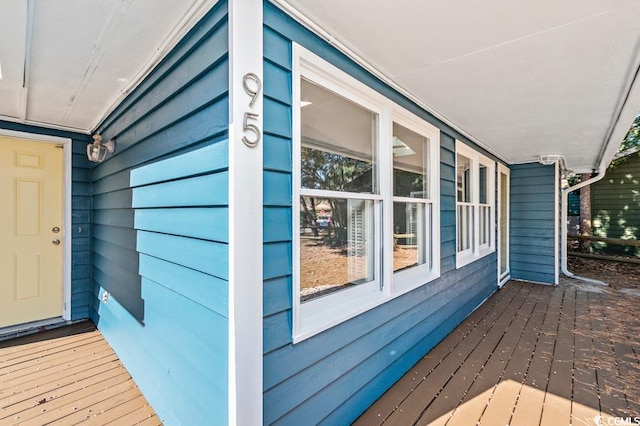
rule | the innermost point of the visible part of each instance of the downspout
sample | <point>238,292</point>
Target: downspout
<point>565,225</point>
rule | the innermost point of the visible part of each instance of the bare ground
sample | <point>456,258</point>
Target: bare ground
<point>618,275</point>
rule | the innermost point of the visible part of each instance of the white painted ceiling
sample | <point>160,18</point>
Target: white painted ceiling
<point>522,78</point>
<point>65,62</point>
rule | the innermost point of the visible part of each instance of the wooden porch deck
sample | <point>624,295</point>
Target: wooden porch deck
<point>531,355</point>
<point>67,376</point>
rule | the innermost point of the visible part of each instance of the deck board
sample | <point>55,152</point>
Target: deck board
<point>419,371</point>
<point>533,355</point>
<point>66,376</point>
<point>413,405</point>
<point>465,376</point>
<point>426,365</point>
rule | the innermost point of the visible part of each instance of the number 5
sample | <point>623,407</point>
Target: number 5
<point>252,127</point>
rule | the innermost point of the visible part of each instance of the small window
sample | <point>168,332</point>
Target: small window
<point>411,203</point>
<point>474,205</point>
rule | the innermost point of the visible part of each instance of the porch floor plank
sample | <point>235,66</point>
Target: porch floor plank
<point>463,378</point>
<point>409,381</point>
<point>412,406</point>
<point>66,376</point>
<point>535,355</point>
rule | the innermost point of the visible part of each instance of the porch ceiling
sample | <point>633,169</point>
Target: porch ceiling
<point>64,63</point>
<point>521,78</point>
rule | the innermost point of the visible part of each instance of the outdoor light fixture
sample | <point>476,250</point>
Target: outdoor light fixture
<point>97,151</point>
<point>549,159</point>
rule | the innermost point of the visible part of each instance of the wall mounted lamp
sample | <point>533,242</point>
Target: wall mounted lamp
<point>97,151</point>
<point>549,159</point>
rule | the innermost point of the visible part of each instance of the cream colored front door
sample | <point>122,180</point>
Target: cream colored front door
<point>31,183</point>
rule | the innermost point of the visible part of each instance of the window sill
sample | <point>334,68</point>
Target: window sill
<point>412,278</point>
<point>326,312</point>
<point>466,259</point>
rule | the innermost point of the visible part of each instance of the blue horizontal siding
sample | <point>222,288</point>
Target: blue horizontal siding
<point>194,285</point>
<point>209,190</point>
<point>204,256</point>
<point>333,376</point>
<point>203,223</point>
<point>207,159</point>
<point>532,222</point>
<point>181,364</point>
<point>160,229</point>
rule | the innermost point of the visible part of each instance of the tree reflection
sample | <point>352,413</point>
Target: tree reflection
<point>324,170</point>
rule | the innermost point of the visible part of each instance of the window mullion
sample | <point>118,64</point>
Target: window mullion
<point>411,200</point>
<point>322,193</point>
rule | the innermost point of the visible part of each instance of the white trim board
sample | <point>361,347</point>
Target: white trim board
<point>66,206</point>
<point>502,169</point>
<point>245,358</point>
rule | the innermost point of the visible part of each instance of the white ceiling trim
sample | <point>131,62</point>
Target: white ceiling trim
<point>376,70</point>
<point>43,124</point>
<point>24,95</point>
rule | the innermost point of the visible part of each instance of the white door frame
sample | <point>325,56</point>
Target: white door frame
<point>66,218</point>
<point>503,170</point>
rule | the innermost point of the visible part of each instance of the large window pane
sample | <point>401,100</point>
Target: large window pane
<point>463,179</point>
<point>338,142</point>
<point>336,245</point>
<point>410,236</point>
<point>410,161</point>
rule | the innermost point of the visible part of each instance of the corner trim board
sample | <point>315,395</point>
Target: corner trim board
<point>245,377</point>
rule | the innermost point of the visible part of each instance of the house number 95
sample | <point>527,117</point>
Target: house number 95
<point>252,86</point>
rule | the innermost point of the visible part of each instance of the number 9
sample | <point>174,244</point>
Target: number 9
<point>252,91</point>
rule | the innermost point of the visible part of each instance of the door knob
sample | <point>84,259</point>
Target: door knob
<point>56,242</point>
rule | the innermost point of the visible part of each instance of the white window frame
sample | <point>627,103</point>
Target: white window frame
<point>477,250</point>
<point>317,315</point>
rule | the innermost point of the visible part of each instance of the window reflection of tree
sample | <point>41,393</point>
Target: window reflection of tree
<point>334,172</point>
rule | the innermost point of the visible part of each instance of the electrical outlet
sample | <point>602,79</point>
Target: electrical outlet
<point>105,297</point>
